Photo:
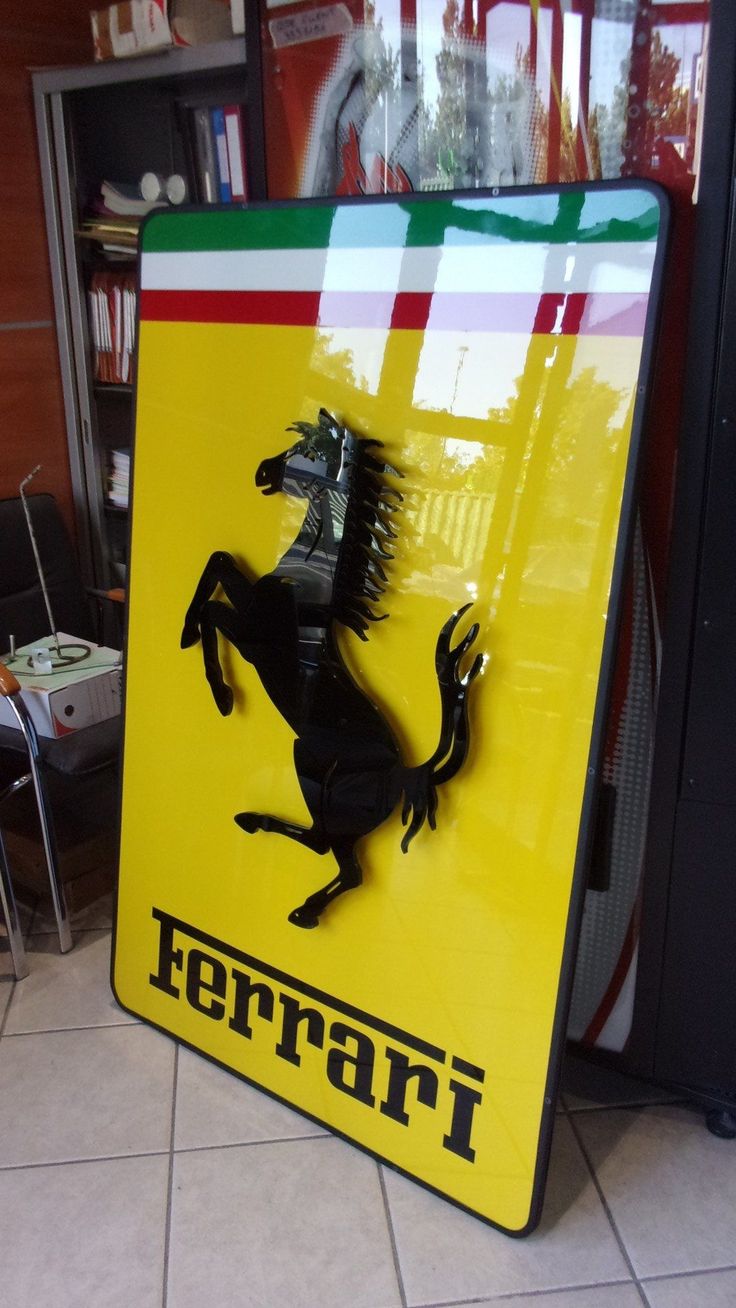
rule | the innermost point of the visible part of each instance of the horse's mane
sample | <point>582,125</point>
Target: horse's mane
<point>368,535</point>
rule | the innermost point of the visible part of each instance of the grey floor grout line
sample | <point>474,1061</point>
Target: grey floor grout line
<point>156,1153</point>
<point>392,1236</point>
<point>170,1150</point>
<point>508,1296</point>
<point>170,1186</point>
<point>249,1144</point>
<point>62,1030</point>
<point>695,1271</point>
<point>607,1210</point>
<point>75,1162</point>
<point>643,1294</point>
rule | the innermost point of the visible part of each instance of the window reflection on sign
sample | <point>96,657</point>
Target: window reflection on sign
<point>433,94</point>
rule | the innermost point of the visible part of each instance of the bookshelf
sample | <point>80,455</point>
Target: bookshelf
<point>114,122</point>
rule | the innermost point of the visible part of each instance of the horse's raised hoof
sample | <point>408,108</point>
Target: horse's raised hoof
<point>304,917</point>
<point>248,821</point>
<point>223,699</point>
<point>190,635</point>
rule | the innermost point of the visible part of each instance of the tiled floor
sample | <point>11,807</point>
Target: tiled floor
<point>137,1175</point>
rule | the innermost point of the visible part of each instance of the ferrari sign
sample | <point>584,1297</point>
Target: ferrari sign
<point>383,478</point>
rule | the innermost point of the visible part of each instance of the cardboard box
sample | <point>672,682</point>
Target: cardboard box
<point>135,27</point>
<point>130,28</point>
<point>63,701</point>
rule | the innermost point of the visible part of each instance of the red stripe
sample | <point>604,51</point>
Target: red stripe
<point>560,313</point>
<point>411,310</point>
<point>556,313</point>
<point>276,308</point>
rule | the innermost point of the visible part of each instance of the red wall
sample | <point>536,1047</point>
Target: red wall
<point>37,33</point>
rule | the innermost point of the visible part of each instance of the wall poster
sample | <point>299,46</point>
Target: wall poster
<point>383,482</point>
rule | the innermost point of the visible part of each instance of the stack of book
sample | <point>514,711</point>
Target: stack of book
<point>218,149</point>
<point>114,224</point>
<point>118,477</point>
<point>112,309</point>
<point>115,236</point>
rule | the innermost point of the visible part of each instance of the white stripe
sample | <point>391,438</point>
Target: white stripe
<point>623,266</point>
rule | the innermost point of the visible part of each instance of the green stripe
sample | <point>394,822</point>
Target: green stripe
<point>628,213</point>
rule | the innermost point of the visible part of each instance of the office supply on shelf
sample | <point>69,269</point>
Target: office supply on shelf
<point>158,189</point>
<point>236,151</point>
<point>111,299</point>
<point>112,234</point>
<point>205,157</point>
<point>118,478</point>
<point>152,186</point>
<point>215,138</point>
<point>127,199</point>
<point>176,189</point>
<point>217,117</point>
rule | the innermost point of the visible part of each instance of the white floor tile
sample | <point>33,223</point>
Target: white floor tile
<point>671,1186</point>
<point>84,1094</point>
<point>709,1290</point>
<point>65,990</point>
<point>7,972</point>
<point>6,983</point>
<point>599,1296</point>
<point>293,1225</point>
<point>84,1234</point>
<point>447,1255</point>
<point>213,1107</point>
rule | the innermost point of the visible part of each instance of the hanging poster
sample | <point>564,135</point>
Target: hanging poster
<point>382,491</point>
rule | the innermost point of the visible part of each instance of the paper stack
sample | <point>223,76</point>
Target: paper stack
<point>112,299</point>
<point>118,477</point>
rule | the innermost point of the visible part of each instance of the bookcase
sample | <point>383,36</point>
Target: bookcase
<point>114,122</point>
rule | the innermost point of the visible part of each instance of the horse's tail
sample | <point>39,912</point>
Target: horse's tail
<point>420,783</point>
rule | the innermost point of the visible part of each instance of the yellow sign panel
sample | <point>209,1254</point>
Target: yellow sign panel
<point>285,905</point>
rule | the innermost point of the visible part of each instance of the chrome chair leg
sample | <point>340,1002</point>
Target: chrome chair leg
<point>56,884</point>
<point>12,920</point>
<point>10,689</point>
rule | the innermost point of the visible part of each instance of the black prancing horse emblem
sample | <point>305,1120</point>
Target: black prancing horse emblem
<point>347,759</point>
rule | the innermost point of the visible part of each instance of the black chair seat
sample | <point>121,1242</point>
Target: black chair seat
<point>75,755</point>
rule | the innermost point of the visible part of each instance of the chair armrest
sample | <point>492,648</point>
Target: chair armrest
<point>9,684</point>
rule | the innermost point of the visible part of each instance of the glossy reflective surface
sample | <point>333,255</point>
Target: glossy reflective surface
<point>347,758</point>
<point>370,96</point>
<point>494,346</point>
<point>434,94</point>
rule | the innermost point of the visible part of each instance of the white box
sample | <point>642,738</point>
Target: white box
<point>136,27</point>
<point>132,27</point>
<point>64,701</point>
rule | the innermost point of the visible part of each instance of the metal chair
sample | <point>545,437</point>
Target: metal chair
<point>24,756</point>
<point>12,919</point>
